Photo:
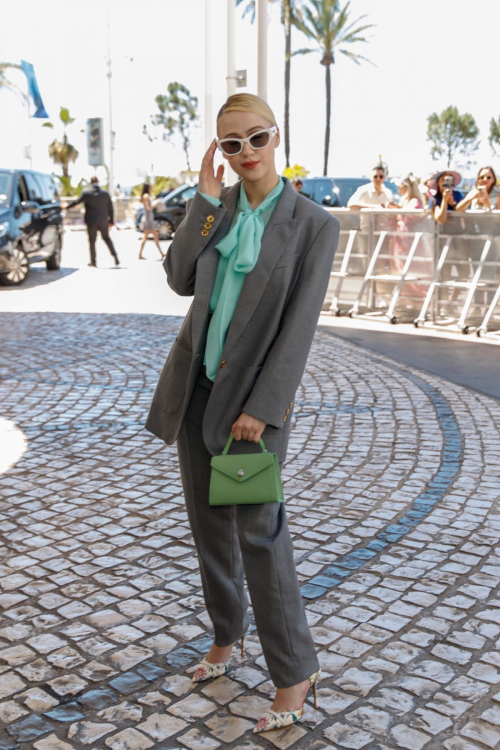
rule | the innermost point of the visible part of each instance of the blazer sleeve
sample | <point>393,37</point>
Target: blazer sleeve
<point>275,388</point>
<point>190,240</point>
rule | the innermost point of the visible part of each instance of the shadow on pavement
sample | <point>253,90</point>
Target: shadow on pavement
<point>39,276</point>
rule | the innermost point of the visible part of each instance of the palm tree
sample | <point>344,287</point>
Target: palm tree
<point>288,9</point>
<point>4,81</point>
<point>62,152</point>
<point>329,25</point>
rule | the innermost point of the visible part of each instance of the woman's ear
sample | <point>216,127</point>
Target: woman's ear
<point>278,138</point>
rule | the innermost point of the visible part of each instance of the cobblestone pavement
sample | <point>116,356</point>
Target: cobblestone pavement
<point>392,490</point>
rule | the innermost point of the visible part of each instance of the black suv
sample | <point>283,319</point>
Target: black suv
<point>168,217</point>
<point>30,223</point>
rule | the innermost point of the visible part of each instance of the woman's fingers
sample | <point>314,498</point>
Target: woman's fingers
<point>220,172</point>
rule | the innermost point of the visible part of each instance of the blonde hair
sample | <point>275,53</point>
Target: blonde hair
<point>247,103</point>
<point>413,190</point>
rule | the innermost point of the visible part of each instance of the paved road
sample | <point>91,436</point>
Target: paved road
<point>392,485</point>
<point>464,361</point>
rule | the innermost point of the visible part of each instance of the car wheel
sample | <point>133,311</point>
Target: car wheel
<point>54,261</point>
<point>164,228</point>
<point>19,268</point>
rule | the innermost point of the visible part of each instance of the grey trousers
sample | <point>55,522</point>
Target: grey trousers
<point>240,541</point>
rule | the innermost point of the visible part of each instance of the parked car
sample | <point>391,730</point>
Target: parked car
<point>336,191</point>
<point>168,216</point>
<point>31,225</point>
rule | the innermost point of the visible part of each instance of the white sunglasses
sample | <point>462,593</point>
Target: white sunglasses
<point>260,139</point>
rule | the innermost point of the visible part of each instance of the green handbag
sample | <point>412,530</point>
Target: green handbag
<point>245,478</point>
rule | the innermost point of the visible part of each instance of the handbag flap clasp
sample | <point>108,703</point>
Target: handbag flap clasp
<point>244,466</point>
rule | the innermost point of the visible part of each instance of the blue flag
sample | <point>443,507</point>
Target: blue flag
<point>33,89</point>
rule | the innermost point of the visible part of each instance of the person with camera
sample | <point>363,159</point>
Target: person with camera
<point>485,196</point>
<point>445,198</point>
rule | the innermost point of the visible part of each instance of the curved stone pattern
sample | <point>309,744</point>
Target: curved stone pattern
<point>392,488</point>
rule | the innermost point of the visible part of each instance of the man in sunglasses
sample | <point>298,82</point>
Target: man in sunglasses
<point>374,194</point>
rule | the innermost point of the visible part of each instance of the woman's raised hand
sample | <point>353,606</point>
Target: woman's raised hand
<point>210,182</point>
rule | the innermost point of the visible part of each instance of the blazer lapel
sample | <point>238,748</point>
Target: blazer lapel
<point>274,241</point>
<point>206,267</point>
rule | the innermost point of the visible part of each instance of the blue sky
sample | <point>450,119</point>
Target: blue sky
<point>426,56</point>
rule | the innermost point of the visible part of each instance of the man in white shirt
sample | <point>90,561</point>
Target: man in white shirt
<point>374,194</point>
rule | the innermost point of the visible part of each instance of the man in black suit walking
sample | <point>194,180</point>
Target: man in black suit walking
<point>98,217</point>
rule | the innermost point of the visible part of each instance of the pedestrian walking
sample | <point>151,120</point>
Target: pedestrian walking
<point>257,257</point>
<point>99,216</point>
<point>149,222</point>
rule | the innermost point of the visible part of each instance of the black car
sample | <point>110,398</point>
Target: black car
<point>31,225</point>
<point>168,216</point>
<point>336,191</point>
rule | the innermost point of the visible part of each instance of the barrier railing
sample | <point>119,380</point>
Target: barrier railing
<point>402,266</point>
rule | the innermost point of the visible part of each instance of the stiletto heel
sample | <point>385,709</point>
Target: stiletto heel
<point>207,671</point>
<point>278,719</point>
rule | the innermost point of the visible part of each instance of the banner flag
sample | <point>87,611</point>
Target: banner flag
<point>95,149</point>
<point>33,89</point>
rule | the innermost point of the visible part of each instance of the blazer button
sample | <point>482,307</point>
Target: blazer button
<point>284,419</point>
<point>287,412</point>
<point>204,233</point>
<point>207,226</point>
<point>210,218</point>
<point>290,404</point>
<point>223,363</point>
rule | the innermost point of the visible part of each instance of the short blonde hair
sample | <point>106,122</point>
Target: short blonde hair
<point>247,103</point>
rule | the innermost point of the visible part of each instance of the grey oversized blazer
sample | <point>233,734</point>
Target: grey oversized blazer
<point>272,329</point>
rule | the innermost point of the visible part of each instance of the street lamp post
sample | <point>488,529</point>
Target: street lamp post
<point>261,7</point>
<point>230,177</point>
<point>111,176</point>
<point>208,74</point>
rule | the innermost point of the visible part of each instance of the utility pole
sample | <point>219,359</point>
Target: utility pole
<point>261,7</point>
<point>208,132</point>
<point>111,176</point>
<point>230,177</point>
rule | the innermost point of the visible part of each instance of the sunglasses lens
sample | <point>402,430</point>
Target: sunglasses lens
<point>231,148</point>
<point>259,140</point>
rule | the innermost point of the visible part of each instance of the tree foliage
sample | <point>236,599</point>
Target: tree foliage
<point>61,151</point>
<point>5,82</point>
<point>330,26</point>
<point>494,137</point>
<point>159,185</point>
<point>296,171</point>
<point>178,114</point>
<point>452,134</point>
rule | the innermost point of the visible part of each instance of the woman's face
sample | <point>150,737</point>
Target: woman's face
<point>251,164</point>
<point>403,189</point>
<point>441,182</point>
<point>486,178</point>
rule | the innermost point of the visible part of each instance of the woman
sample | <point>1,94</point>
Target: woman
<point>445,198</point>
<point>401,242</point>
<point>485,195</point>
<point>411,197</point>
<point>257,257</point>
<point>149,222</point>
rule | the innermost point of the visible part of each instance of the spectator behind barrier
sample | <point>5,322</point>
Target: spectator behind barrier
<point>411,197</point>
<point>446,199</point>
<point>374,194</point>
<point>485,196</point>
<point>297,184</point>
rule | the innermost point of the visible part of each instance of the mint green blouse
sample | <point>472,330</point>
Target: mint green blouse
<point>239,252</point>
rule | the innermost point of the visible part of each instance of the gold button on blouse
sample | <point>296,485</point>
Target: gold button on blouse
<point>204,232</point>
<point>210,218</point>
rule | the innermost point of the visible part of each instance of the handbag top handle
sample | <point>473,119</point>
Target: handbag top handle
<point>231,438</point>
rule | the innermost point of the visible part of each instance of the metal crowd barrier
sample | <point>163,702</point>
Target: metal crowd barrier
<point>402,266</point>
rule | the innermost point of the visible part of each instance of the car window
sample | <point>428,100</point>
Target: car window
<point>34,188</point>
<point>22,190</point>
<point>186,195</point>
<point>5,188</point>
<point>49,190</point>
<point>307,188</point>
<point>324,189</point>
